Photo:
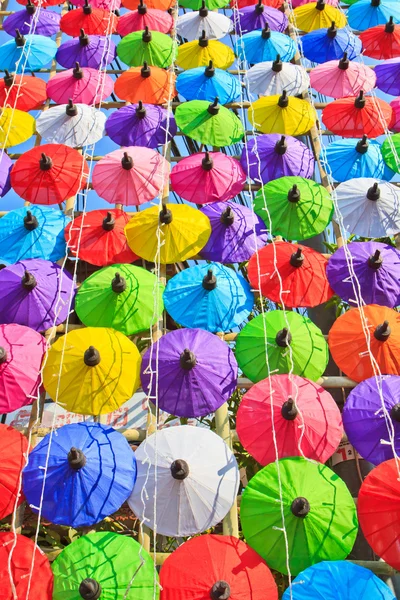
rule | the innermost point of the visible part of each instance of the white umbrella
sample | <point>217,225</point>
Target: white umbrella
<point>74,125</point>
<point>369,208</point>
<point>271,78</point>
<point>187,480</point>
<point>191,25</point>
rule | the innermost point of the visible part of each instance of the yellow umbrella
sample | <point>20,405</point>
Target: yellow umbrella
<point>282,114</point>
<point>317,15</point>
<point>16,126</point>
<point>92,371</point>
<point>183,232</point>
<point>201,51</point>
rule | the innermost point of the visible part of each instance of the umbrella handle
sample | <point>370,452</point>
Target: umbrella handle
<point>207,163</point>
<point>203,12</point>
<point>283,101</point>
<point>209,282</point>
<point>332,31</point>
<point>227,217</point>
<point>8,79</point>
<point>90,589</point>
<point>28,281</point>
<point>300,507</point>
<point>297,258</point>
<point>390,26</point>
<point>382,331</point>
<point>145,71</point>
<point>203,40</point>
<point>30,221</point>
<point>277,65</point>
<point>221,590</point>
<point>259,9</point>
<point>360,101</point>
<point>19,38</point>
<point>289,410</point>
<point>118,284</point>
<point>127,162</point>
<point>294,194</point>
<point>374,193</point>
<point>209,71</point>
<point>30,8</point>
<point>77,71</point>
<point>87,9</point>
<point>375,261</point>
<point>146,35</point>
<point>165,215</point>
<point>83,38</point>
<point>3,355</point>
<point>76,459</point>
<point>281,145</point>
<point>71,109</point>
<point>179,469</point>
<point>395,412</point>
<point>140,111</point>
<point>91,357</point>
<point>320,5</point>
<point>142,8</point>
<point>362,145</point>
<point>213,108</point>
<point>187,360</point>
<point>108,222</point>
<point>266,32</point>
<point>344,62</point>
<point>283,338</point>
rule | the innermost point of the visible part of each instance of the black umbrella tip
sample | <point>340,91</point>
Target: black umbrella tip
<point>300,507</point>
<point>203,40</point>
<point>320,5</point>
<point>30,221</point>
<point>90,589</point>
<point>289,410</point>
<point>187,360</point>
<point>266,32</point>
<point>203,12</point>
<point>221,590</point>
<point>382,332</point>
<point>28,281</point>
<point>390,26</point>
<point>146,36</point>
<point>374,193</point>
<point>297,259</point>
<point>294,194</point>
<point>375,261</point>
<point>108,222</point>
<point>145,71</point>
<point>19,38</point>
<point>332,30</point>
<point>207,162</point>
<point>283,338</point>
<point>283,101</point>
<point>3,355</point>
<point>71,109</point>
<point>118,284</point>
<point>214,107</point>
<point>179,469</point>
<point>76,459</point>
<point>87,9</point>
<point>209,70</point>
<point>209,282</point>
<point>91,357</point>
<point>395,412</point>
<point>227,217</point>
<point>140,110</point>
<point>165,216</point>
<point>281,146</point>
<point>360,101</point>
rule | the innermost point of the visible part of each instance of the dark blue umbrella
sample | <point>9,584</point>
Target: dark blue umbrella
<point>323,45</point>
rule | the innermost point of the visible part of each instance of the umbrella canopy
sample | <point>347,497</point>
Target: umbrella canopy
<point>294,207</point>
<point>130,176</point>
<point>258,46</point>
<point>86,86</point>
<point>282,114</point>
<point>296,3</point>
<point>196,477</point>
<point>151,85</point>
<point>395,104</point>
<point>351,158</point>
<point>317,15</point>
<point>142,17</point>
<point>210,177</point>
<point>36,293</point>
<point>111,5</point>
<point>271,334</point>
<point>329,44</point>
<point>157,49</point>
<point>197,4</point>
<point>46,22</point>
<point>208,83</point>
<point>126,298</point>
<point>367,13</point>
<point>382,41</point>
<point>271,78</point>
<point>391,152</point>
<point>16,127</point>
<point>74,125</point>
<point>209,123</point>
<point>91,51</point>
<point>355,117</point>
<point>213,565</point>
<point>190,26</point>
<point>13,57</point>
<point>5,170</point>
<point>44,4</point>
<point>199,53</point>
<point>14,450</point>
<point>90,472</point>
<point>305,417</point>
<point>158,4</point>
<point>242,3</point>
<point>209,296</point>
<point>23,92</point>
<point>343,78</point>
<point>236,233</point>
<point>95,21</point>
<point>251,18</point>
<point>141,124</point>
<point>99,370</point>
<point>387,76</point>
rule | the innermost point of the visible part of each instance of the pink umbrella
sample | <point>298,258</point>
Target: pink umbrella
<point>130,176</point>
<point>81,85</point>
<point>210,177</point>
<point>338,79</point>
<point>137,20</point>
<point>105,4</point>
<point>296,3</point>
<point>395,104</point>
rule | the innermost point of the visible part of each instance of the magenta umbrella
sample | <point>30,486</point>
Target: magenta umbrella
<point>81,85</point>
<point>105,4</point>
<point>296,3</point>
<point>339,79</point>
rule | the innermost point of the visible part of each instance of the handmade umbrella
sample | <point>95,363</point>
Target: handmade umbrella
<point>158,4</point>
<point>242,3</point>
<point>366,341</point>
<point>209,123</point>
<point>137,20</point>
<point>141,124</point>
<point>126,298</point>
<point>352,158</point>
<point>86,86</point>
<point>216,565</point>
<point>296,3</point>
<point>150,85</point>
<point>5,170</point>
<point>367,13</point>
<point>46,22</point>
<point>305,417</point>
<point>291,342</point>
<point>16,127</point>
<point>23,92</point>
<point>111,5</point>
<point>44,4</point>
<point>391,152</point>
<point>92,51</point>
<point>251,18</point>
<point>290,274</point>
<point>49,174</point>
<point>174,233</point>
<point>268,157</point>
<point>294,207</point>
<point>14,450</point>
<point>271,78</point>
<point>71,124</point>
<point>197,4</point>
<point>199,53</point>
<point>39,52</point>
<point>258,46</point>
<point>317,15</point>
<point>282,114</point>
<point>97,564</point>
<point>92,371</point>
<point>395,104</point>
<point>207,83</point>
<point>98,237</point>
<point>190,26</point>
<point>157,49</point>
<point>210,177</point>
<point>343,78</point>
<point>196,478</point>
<point>236,233</point>
<point>382,41</point>
<point>355,117</point>
<point>329,44</point>
<point>209,296</point>
<point>387,75</point>
<point>368,269</point>
<point>90,472</point>
<point>95,21</point>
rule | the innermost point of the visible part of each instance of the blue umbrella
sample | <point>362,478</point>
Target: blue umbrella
<point>259,46</point>
<point>323,45</point>
<point>209,296</point>
<point>32,51</point>
<point>91,471</point>
<point>368,13</point>
<point>338,580</point>
<point>207,84</point>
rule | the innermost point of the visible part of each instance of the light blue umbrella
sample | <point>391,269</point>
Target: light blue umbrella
<point>32,51</point>
<point>208,83</point>
<point>208,296</point>
<point>258,46</point>
<point>368,13</point>
<point>323,45</point>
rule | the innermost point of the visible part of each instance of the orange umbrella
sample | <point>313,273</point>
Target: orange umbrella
<point>150,85</point>
<point>160,4</point>
<point>349,348</point>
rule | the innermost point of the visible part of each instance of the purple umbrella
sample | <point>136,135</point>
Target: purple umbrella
<point>35,293</point>
<point>377,270</point>
<point>5,169</point>
<point>141,125</point>
<point>368,426</point>
<point>46,23</point>
<point>271,156</point>
<point>388,76</point>
<point>196,372</point>
<point>255,17</point>
<point>236,233</point>
<point>92,51</point>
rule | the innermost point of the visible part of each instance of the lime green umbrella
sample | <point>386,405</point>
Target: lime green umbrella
<point>122,297</point>
<point>294,207</point>
<point>289,337</point>
<point>157,49</point>
<point>392,159</point>
<point>197,4</point>
<point>107,566</point>
<point>320,516</point>
<point>209,123</point>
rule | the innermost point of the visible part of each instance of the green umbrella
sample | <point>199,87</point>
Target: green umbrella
<point>197,4</point>
<point>157,49</point>
<point>121,297</point>
<point>298,208</point>
<point>290,337</point>
<point>107,566</point>
<point>209,123</point>
<point>320,516</point>
<point>392,159</point>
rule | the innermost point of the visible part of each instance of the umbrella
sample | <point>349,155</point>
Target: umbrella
<point>210,177</point>
<point>271,78</point>
<point>137,20</point>
<point>209,123</point>
<point>305,417</point>
<point>290,274</point>
<point>236,233</point>
<point>355,117</point>
<point>197,4</point>
<point>395,104</point>
<point>272,334</point>
<point>163,5</point>
<point>86,86</point>
<point>46,22</point>
<point>74,125</point>
<point>95,21</point>
<point>196,477</point>
<point>351,158</point>
<point>126,298</point>
<point>32,232</point>
<point>44,4</point>
<point>367,13</point>
<point>258,46</point>
<point>207,83</point>
<point>251,18</point>
<point>150,85</point>
<point>369,208</point>
<point>196,373</point>
<point>130,176</point>
<point>91,51</point>
<point>157,49</point>
<point>391,151</point>
<point>216,565</point>
<point>14,450</point>
<point>271,156</point>
<point>23,92</point>
<point>376,269</point>
<point>98,237</point>
<point>49,174</point>
<point>97,564</point>
<point>27,53</point>
<point>236,4</point>
<point>141,124</point>
<point>296,3</point>
<point>343,78</point>
<point>111,5</point>
<point>209,296</point>
<point>5,170</point>
<point>90,472</point>
<point>16,127</point>
<point>176,232</point>
<point>382,41</point>
<point>199,53</point>
<point>387,76</point>
<point>282,114</point>
<point>329,44</point>
<point>294,207</point>
<point>190,26</point>
<point>317,15</point>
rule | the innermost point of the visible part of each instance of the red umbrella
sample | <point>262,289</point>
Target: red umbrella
<point>243,3</point>
<point>43,3</point>
<point>49,174</point>
<point>13,447</point>
<point>355,117</point>
<point>216,567</point>
<point>290,274</point>
<point>382,41</point>
<point>101,238</point>
<point>95,21</point>
<point>138,20</point>
<point>23,92</point>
